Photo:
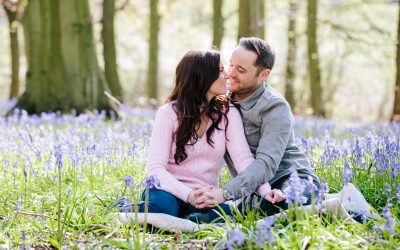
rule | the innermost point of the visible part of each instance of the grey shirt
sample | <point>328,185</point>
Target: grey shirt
<point>268,123</point>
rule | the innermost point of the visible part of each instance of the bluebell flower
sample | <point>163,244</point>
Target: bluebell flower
<point>347,176</point>
<point>264,231</point>
<point>129,181</point>
<point>324,189</point>
<point>152,181</point>
<point>310,185</point>
<point>398,195</point>
<point>235,238</point>
<point>295,191</point>
<point>390,223</point>
<point>58,156</point>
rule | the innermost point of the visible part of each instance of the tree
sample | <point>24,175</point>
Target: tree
<point>63,71</point>
<point>313,60</point>
<point>109,51</point>
<point>152,73</point>
<point>396,105</point>
<point>251,18</point>
<point>218,23</point>
<point>14,11</point>
<point>291,54</point>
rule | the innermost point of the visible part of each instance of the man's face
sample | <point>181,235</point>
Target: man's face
<point>243,75</point>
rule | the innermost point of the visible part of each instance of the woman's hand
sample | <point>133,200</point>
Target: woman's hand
<point>192,197</point>
<point>275,196</point>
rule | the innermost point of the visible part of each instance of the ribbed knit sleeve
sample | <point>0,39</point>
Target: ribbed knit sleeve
<point>238,148</point>
<point>160,150</point>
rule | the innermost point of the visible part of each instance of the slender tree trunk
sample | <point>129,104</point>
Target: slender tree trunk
<point>259,18</point>
<point>396,105</point>
<point>152,75</point>
<point>244,19</point>
<point>251,18</point>
<point>63,71</point>
<point>14,11</point>
<point>218,23</point>
<point>313,61</point>
<point>109,51</point>
<point>291,54</point>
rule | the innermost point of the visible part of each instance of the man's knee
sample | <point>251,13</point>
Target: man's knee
<point>161,201</point>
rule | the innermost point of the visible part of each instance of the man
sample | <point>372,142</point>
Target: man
<point>268,124</point>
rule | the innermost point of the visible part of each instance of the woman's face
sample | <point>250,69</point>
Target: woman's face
<point>219,86</point>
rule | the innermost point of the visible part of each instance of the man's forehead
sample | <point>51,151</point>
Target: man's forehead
<point>243,56</point>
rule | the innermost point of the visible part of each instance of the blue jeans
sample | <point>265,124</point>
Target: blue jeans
<point>161,201</point>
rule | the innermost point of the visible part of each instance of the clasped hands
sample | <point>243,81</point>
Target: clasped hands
<point>210,196</point>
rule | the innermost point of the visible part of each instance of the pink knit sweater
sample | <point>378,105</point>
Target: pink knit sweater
<point>203,165</point>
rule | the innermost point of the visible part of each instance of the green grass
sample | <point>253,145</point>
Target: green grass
<point>71,213</point>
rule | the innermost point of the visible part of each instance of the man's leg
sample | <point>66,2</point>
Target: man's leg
<point>266,207</point>
<point>161,201</point>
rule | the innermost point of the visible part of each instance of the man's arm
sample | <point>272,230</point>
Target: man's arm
<point>276,128</point>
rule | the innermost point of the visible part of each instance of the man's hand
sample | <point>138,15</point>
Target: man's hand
<point>275,196</point>
<point>208,197</point>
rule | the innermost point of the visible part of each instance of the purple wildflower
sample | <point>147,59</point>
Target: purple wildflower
<point>152,181</point>
<point>347,176</point>
<point>58,156</point>
<point>235,238</point>
<point>264,231</point>
<point>23,239</point>
<point>129,181</point>
<point>390,223</point>
<point>294,192</point>
<point>398,195</point>
<point>323,189</point>
<point>310,185</point>
<point>267,223</point>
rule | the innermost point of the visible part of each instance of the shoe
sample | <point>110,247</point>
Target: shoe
<point>198,217</point>
<point>354,202</point>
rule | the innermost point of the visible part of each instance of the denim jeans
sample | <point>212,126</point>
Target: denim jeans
<point>263,206</point>
<point>161,201</point>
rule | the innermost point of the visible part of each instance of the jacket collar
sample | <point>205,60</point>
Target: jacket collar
<point>252,99</point>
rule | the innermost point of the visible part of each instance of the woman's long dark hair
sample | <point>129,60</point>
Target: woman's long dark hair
<point>195,74</point>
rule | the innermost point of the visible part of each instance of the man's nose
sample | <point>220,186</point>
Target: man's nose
<point>232,72</point>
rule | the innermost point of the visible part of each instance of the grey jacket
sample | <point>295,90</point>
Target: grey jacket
<point>268,123</point>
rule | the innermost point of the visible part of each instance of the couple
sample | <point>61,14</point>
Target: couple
<point>199,125</point>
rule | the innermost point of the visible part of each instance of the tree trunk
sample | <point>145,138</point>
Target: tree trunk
<point>13,11</point>
<point>291,54</point>
<point>313,61</point>
<point>251,18</point>
<point>152,73</point>
<point>109,51</point>
<point>396,105</point>
<point>218,23</point>
<point>63,71</point>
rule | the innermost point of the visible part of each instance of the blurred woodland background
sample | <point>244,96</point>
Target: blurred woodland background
<point>335,58</point>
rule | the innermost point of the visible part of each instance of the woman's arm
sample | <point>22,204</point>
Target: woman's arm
<point>159,151</point>
<point>237,147</point>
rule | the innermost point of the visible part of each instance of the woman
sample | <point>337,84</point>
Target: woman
<point>191,134</point>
